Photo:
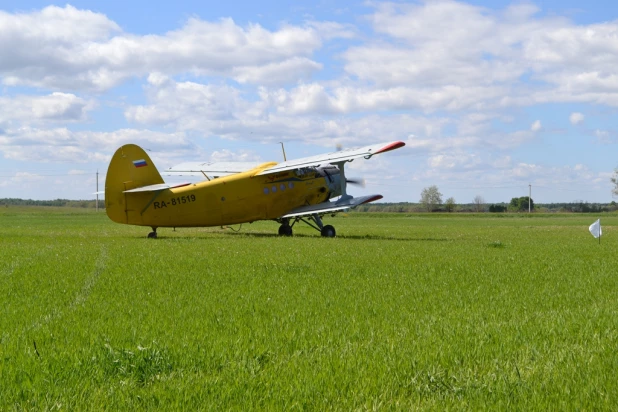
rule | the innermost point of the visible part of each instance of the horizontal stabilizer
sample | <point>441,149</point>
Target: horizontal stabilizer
<point>155,188</point>
<point>326,207</point>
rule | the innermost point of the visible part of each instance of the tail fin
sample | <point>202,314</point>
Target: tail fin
<point>129,168</point>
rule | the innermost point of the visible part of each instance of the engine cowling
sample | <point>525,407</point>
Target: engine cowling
<point>332,176</point>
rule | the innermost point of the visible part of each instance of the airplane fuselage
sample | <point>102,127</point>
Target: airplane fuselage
<point>239,198</point>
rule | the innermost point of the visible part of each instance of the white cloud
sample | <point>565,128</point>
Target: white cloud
<point>606,136</point>
<point>64,25</point>
<point>55,107</point>
<point>188,105</point>
<point>309,113</point>
<point>536,126</point>
<point>20,178</point>
<point>441,144</point>
<point>63,145</point>
<point>76,49</point>
<point>456,161</point>
<point>525,170</point>
<point>435,44</point>
<point>283,72</point>
<point>576,118</point>
<point>482,173</point>
<point>225,111</point>
<point>428,56</point>
<point>226,155</point>
<point>502,162</point>
<point>332,30</point>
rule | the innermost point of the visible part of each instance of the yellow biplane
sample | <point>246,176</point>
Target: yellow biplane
<point>233,192</point>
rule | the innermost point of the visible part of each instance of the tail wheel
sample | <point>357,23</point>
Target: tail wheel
<point>328,231</point>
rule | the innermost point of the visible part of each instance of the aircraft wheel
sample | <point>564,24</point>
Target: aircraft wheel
<point>152,235</point>
<point>328,231</point>
<point>285,230</point>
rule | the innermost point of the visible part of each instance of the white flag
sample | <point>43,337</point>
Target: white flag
<point>595,229</point>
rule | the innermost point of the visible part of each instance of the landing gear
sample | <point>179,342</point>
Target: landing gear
<point>153,234</point>
<point>315,221</point>
<point>285,229</point>
<point>328,231</point>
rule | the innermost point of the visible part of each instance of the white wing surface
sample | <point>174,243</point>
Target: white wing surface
<point>218,169</point>
<point>345,155</point>
<point>213,169</point>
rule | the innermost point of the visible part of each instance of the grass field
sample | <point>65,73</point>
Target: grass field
<point>398,312</point>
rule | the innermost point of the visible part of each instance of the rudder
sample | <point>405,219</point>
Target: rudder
<point>130,168</point>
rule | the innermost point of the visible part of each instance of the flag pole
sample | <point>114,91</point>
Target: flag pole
<point>600,231</point>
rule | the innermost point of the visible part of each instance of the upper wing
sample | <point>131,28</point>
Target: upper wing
<point>334,157</point>
<point>217,169</point>
<point>332,206</point>
<point>214,169</point>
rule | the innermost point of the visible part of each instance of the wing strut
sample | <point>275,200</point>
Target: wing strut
<point>344,194</point>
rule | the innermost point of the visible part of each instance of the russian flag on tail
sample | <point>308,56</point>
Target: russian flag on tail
<point>140,163</point>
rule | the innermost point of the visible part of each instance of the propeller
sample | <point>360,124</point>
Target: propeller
<point>356,181</point>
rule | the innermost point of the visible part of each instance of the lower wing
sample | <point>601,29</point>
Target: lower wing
<point>326,207</point>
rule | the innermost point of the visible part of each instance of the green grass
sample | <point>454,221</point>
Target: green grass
<point>398,312</point>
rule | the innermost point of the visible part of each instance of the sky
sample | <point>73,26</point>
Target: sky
<point>492,98</point>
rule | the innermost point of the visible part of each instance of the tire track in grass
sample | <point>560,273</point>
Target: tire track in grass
<point>99,267</point>
<point>81,297</point>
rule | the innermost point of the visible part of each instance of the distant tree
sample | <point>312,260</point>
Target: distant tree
<point>497,208</point>
<point>520,204</point>
<point>580,206</point>
<point>450,204</point>
<point>479,203</point>
<point>431,197</point>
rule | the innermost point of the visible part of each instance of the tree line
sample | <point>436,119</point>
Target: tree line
<point>87,204</point>
<point>408,207</point>
<point>431,201</point>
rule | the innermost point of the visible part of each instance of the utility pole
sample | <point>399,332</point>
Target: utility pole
<point>97,205</point>
<point>529,197</point>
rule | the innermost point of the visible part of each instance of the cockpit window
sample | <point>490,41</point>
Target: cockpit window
<point>303,171</point>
